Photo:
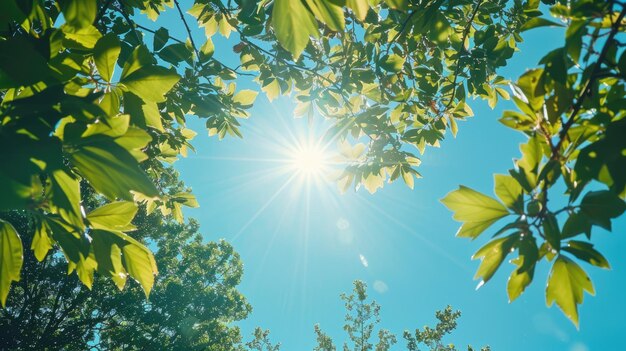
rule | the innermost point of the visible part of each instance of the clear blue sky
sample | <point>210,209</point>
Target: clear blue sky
<point>301,248</point>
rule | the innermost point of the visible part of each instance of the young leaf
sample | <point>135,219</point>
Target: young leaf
<point>245,97</point>
<point>161,36</point>
<point>492,256</point>
<point>328,13</point>
<point>585,251</point>
<point>539,22</point>
<point>566,286</point>
<point>522,276</point>
<point>359,8</point>
<point>12,258</point>
<point>42,242</point>
<point>509,191</point>
<point>151,82</point>
<point>79,13</point>
<point>479,211</point>
<point>111,169</point>
<point>293,24</point>
<point>140,264</point>
<point>392,63</point>
<point>113,216</point>
<point>105,54</point>
<point>401,5</point>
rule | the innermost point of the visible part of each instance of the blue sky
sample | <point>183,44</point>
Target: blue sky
<point>301,248</point>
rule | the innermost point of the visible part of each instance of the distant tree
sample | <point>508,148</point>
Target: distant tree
<point>193,306</point>
<point>362,319</point>
<point>261,341</point>
<point>432,337</point>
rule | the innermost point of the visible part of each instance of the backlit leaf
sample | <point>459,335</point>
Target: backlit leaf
<point>113,216</point>
<point>12,258</point>
<point>105,55</point>
<point>566,286</point>
<point>293,24</point>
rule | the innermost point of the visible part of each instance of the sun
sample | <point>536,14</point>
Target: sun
<point>310,160</point>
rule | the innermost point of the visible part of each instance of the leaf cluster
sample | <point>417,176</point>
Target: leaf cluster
<point>572,110</point>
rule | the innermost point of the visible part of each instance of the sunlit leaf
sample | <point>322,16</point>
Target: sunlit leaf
<point>105,54</point>
<point>566,287</point>
<point>293,24</point>
<point>12,258</point>
<point>113,216</point>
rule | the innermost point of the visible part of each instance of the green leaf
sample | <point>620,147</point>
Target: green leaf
<point>401,5</point>
<point>186,199</point>
<point>492,256</point>
<point>135,259</point>
<point>161,36</point>
<point>140,57</point>
<point>151,82</point>
<point>111,169</point>
<point>576,223</point>
<point>601,206</point>
<point>12,258</point>
<point>79,13</point>
<point>245,97</point>
<point>32,66</point>
<point>176,53</point>
<point>566,286</point>
<point>510,192</point>
<point>293,25</point>
<point>539,22</point>
<point>66,197</point>
<point>328,13</point>
<point>473,229</point>
<point>523,275</point>
<point>359,7</point>
<point>407,176</point>
<point>82,38</point>
<point>105,54</point>
<point>479,211</point>
<point>207,50</point>
<point>604,159</point>
<point>143,113</point>
<point>113,216</point>
<point>373,182</point>
<point>392,63</point>
<point>531,154</point>
<point>271,89</point>
<point>42,242</point>
<point>585,251</point>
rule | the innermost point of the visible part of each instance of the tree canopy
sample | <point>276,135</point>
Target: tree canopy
<point>193,305</point>
<point>92,95</point>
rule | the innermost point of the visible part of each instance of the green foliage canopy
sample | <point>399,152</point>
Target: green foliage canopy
<point>572,109</point>
<point>387,74</point>
<point>193,304</point>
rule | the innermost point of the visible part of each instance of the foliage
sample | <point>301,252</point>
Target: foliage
<point>572,109</point>
<point>261,341</point>
<point>362,318</point>
<point>98,98</point>
<point>193,305</point>
<point>392,72</point>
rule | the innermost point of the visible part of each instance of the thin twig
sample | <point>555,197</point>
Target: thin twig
<point>584,92</point>
<point>457,70</point>
<point>182,18</point>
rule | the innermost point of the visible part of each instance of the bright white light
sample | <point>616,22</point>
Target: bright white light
<point>309,160</point>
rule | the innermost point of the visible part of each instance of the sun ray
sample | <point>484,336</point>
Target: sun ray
<point>415,234</point>
<point>262,208</point>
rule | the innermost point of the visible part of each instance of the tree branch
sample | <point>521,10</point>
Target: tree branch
<point>586,90</point>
